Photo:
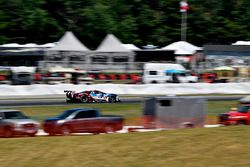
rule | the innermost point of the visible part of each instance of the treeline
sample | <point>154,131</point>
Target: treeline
<point>133,21</point>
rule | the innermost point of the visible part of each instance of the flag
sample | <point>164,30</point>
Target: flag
<point>184,6</point>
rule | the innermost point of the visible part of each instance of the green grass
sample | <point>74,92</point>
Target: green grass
<point>217,147</point>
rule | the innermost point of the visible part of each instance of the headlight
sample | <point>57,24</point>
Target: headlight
<point>61,121</point>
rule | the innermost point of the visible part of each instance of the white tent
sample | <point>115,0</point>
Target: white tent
<point>67,49</point>
<point>112,52</point>
<point>111,44</point>
<point>69,43</point>
<point>182,48</point>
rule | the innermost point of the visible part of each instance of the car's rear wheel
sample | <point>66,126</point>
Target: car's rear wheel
<point>65,130</point>
<point>84,99</point>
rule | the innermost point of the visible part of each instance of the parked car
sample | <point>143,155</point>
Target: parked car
<point>91,96</point>
<point>236,116</point>
<point>80,120</point>
<point>14,122</point>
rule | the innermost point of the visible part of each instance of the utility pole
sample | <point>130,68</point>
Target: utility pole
<point>183,9</point>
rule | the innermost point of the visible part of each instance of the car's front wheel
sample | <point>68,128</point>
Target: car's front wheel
<point>112,99</point>
<point>65,130</point>
<point>109,129</point>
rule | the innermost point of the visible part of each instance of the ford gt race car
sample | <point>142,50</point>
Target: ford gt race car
<point>90,96</point>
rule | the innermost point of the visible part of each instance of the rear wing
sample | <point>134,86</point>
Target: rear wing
<point>65,91</point>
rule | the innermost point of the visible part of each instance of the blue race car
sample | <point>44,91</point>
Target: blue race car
<point>91,96</point>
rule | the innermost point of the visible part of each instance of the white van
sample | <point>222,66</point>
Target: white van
<point>166,73</point>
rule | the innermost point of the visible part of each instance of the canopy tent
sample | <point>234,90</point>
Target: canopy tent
<point>112,44</point>
<point>69,42</point>
<point>182,48</point>
<point>112,51</point>
<point>68,48</point>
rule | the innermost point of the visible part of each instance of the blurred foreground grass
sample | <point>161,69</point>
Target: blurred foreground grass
<point>198,147</point>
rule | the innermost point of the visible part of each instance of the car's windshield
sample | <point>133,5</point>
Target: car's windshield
<point>65,114</point>
<point>14,115</point>
<point>244,109</point>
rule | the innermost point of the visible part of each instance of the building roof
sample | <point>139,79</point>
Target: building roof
<point>182,47</point>
<point>112,44</point>
<point>69,43</point>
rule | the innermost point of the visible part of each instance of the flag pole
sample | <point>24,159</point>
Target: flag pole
<point>184,26</point>
<point>183,9</point>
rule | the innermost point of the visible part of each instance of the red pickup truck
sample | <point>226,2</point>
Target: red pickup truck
<point>82,120</point>
<point>239,116</point>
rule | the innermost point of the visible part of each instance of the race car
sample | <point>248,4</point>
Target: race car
<point>90,96</point>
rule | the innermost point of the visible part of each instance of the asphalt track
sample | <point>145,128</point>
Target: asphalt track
<point>61,101</point>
